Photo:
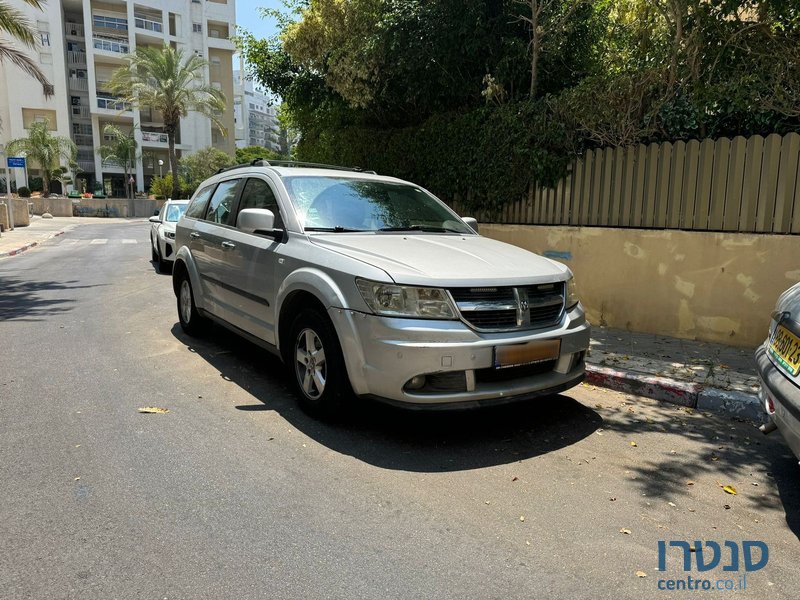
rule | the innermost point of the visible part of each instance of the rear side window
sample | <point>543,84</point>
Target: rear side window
<point>257,193</point>
<point>219,209</point>
<point>197,207</point>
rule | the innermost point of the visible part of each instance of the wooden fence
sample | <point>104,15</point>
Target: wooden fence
<point>741,185</point>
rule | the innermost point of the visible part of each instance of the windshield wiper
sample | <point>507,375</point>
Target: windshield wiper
<point>424,228</point>
<point>336,229</point>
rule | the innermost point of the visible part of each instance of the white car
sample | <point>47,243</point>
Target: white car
<point>370,285</point>
<point>162,232</point>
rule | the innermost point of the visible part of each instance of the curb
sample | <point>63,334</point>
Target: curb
<point>21,249</point>
<point>692,395</point>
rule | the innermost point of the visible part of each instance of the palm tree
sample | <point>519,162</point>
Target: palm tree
<point>164,80</point>
<point>122,149</point>
<point>43,149</point>
<point>14,23</point>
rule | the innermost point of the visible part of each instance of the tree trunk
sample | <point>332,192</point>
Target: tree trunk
<point>536,47</point>
<point>173,160</point>
<point>45,183</point>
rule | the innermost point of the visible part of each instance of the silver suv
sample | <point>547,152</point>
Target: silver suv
<point>370,285</point>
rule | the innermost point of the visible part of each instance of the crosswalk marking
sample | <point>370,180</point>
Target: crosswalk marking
<point>99,241</point>
<point>130,241</point>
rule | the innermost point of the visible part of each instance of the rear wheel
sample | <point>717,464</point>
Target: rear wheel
<point>153,255</point>
<point>191,321</point>
<point>318,371</point>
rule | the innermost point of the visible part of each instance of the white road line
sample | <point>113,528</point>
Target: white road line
<point>99,241</point>
<point>130,241</point>
<point>70,242</point>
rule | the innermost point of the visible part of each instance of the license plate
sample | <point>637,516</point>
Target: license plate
<point>785,348</point>
<point>526,354</point>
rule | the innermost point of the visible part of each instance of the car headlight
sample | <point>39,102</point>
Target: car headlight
<point>169,234</point>
<point>572,293</point>
<point>390,300</point>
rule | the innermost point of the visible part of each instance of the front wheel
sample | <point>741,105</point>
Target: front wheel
<point>191,321</point>
<point>319,374</point>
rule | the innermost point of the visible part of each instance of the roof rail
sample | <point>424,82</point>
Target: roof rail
<point>261,162</point>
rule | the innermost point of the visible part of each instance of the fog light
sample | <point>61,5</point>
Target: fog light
<point>415,383</point>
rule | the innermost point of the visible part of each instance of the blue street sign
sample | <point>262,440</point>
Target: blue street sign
<point>16,162</point>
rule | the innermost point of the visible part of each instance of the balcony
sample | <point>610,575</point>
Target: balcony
<point>142,22</point>
<point>154,137</point>
<point>86,165</point>
<point>80,111</point>
<point>114,45</point>
<point>82,139</point>
<point>73,29</point>
<point>79,84</point>
<point>76,58</point>
<point>113,104</point>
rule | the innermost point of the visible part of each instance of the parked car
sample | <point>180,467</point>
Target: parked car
<point>778,360</point>
<point>370,285</point>
<point>162,232</point>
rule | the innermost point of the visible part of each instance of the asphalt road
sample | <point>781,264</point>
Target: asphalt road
<point>235,493</point>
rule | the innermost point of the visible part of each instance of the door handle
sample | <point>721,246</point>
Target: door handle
<point>194,235</point>
<point>228,245</point>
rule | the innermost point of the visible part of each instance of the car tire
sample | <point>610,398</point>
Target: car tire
<point>322,386</point>
<point>192,322</point>
<point>153,255</point>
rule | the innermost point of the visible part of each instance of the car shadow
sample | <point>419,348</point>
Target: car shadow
<point>402,439</point>
<point>31,300</point>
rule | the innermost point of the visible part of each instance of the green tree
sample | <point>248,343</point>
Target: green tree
<point>43,149</point>
<point>251,153</point>
<point>122,149</point>
<point>14,24</point>
<point>167,81</point>
<point>201,165</point>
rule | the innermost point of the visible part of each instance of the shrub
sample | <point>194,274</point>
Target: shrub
<point>36,184</point>
<point>24,192</point>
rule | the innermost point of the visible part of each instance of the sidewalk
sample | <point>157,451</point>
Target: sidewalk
<point>699,375</point>
<point>694,374</point>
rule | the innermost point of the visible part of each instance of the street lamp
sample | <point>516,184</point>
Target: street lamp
<point>160,164</point>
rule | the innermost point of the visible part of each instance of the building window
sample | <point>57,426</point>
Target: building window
<point>46,58</point>
<point>197,27</point>
<point>110,22</point>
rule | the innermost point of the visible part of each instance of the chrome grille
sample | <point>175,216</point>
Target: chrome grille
<point>509,308</point>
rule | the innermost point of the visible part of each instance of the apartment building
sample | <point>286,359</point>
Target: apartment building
<point>255,115</point>
<point>82,44</point>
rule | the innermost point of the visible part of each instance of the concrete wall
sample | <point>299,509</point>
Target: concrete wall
<point>717,287</point>
<point>58,207</point>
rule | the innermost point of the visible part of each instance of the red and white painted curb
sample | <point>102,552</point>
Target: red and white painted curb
<point>21,249</point>
<point>664,389</point>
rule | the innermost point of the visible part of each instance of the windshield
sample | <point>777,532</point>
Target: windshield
<point>174,212</point>
<point>342,204</point>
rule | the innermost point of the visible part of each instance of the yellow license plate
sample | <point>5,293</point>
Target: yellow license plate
<point>526,354</point>
<point>785,348</point>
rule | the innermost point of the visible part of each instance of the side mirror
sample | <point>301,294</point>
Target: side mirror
<point>260,221</point>
<point>155,219</point>
<point>472,222</point>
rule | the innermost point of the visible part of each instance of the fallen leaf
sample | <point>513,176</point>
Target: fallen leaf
<point>641,574</point>
<point>522,519</point>
<point>691,510</point>
<point>77,479</point>
<point>729,489</point>
<point>625,531</point>
<point>690,483</point>
<point>671,503</point>
<point>153,410</point>
<point>613,499</point>
<point>754,483</point>
<point>515,478</point>
<point>726,506</point>
<point>634,444</point>
<point>487,502</point>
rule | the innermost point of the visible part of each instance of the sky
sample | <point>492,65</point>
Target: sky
<point>247,16</point>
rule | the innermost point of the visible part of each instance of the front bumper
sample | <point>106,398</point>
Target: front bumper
<point>785,397</point>
<point>383,354</point>
<point>167,247</point>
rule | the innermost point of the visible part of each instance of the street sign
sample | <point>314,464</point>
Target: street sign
<point>16,162</point>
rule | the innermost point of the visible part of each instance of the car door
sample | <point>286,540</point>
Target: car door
<point>252,259</point>
<point>211,256</point>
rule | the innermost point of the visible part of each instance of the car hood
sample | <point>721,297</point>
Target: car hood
<point>444,260</point>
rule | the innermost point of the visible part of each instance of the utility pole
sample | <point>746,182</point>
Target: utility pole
<point>8,188</point>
